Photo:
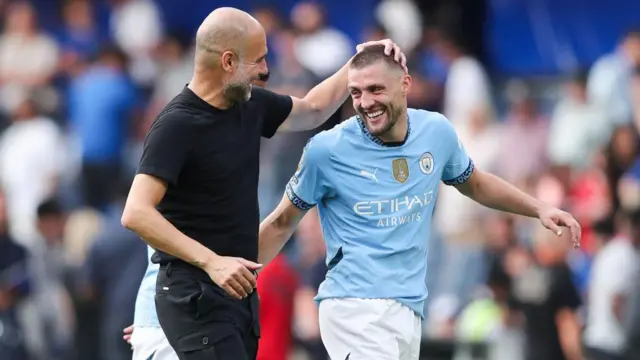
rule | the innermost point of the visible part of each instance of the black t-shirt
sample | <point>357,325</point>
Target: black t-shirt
<point>210,161</point>
<point>540,293</point>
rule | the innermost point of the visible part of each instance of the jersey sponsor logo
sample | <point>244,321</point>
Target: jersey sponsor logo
<point>426,163</point>
<point>395,212</point>
<point>400,170</point>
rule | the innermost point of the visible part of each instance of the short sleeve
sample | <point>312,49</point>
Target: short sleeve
<point>306,187</point>
<point>566,293</point>
<point>166,148</point>
<point>459,166</point>
<point>276,109</point>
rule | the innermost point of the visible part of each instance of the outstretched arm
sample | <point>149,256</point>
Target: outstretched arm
<point>326,98</point>
<point>491,191</point>
<point>277,229</point>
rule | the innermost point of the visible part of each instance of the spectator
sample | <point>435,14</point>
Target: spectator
<point>32,156</point>
<point>525,136</point>
<point>632,305</point>
<point>28,57</point>
<point>319,47</point>
<point>609,82</point>
<point>175,65</point>
<point>49,272</point>
<point>272,23</point>
<point>586,122</point>
<point>615,269</point>
<point>621,153</point>
<point>14,287</point>
<point>114,284</point>
<point>101,109</point>
<point>80,38</point>
<point>467,89</point>
<point>137,28</point>
<point>543,292</point>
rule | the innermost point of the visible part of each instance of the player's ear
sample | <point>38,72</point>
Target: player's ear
<point>406,83</point>
<point>229,61</point>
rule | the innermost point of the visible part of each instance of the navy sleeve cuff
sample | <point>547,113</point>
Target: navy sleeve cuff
<point>296,200</point>
<point>462,178</point>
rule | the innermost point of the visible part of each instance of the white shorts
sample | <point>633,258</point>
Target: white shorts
<point>365,329</point>
<point>150,343</point>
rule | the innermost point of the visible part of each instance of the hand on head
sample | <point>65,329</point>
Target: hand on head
<point>390,49</point>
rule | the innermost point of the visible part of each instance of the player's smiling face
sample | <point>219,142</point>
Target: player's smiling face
<point>379,96</point>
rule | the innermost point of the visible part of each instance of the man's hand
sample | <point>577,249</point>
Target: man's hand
<point>553,219</point>
<point>234,275</point>
<point>127,334</point>
<point>389,48</point>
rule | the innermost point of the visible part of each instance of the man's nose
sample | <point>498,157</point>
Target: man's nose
<point>366,101</point>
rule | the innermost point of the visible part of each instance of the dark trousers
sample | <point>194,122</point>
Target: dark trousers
<point>201,321</point>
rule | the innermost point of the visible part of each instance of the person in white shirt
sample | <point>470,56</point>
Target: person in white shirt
<point>467,89</point>
<point>615,269</point>
<point>31,163</point>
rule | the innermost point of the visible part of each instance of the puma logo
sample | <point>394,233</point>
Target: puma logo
<point>365,173</point>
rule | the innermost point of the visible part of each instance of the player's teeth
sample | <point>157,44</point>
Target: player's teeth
<point>375,114</point>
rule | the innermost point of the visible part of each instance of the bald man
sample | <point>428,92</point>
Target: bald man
<point>194,198</point>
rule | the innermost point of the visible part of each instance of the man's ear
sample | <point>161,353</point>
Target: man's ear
<point>229,61</point>
<point>406,83</point>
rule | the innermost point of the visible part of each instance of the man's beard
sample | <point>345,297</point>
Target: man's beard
<point>237,92</point>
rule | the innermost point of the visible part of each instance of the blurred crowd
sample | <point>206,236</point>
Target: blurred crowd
<point>77,98</point>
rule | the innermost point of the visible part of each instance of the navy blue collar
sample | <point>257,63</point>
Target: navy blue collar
<point>379,141</point>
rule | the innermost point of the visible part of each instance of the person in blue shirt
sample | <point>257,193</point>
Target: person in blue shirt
<point>374,179</point>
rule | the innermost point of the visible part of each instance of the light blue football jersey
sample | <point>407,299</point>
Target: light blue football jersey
<point>145,310</point>
<point>376,202</point>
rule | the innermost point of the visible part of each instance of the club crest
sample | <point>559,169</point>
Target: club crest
<point>426,163</point>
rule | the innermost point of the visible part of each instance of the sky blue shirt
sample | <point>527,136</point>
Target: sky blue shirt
<point>375,203</point>
<point>145,310</point>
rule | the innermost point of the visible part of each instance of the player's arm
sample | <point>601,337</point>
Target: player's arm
<point>494,192</point>
<point>304,190</point>
<point>326,98</point>
<point>277,228</point>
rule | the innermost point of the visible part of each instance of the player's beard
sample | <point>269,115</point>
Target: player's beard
<point>391,113</point>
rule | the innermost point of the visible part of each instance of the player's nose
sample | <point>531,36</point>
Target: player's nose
<point>366,102</point>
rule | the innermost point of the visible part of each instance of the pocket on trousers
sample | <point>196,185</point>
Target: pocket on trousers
<point>202,345</point>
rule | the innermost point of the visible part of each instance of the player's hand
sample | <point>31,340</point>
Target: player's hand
<point>127,334</point>
<point>554,219</point>
<point>389,48</point>
<point>234,275</point>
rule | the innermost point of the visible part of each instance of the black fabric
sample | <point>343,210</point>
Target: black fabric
<point>597,354</point>
<point>210,160</point>
<point>541,293</point>
<point>100,183</point>
<point>200,320</point>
